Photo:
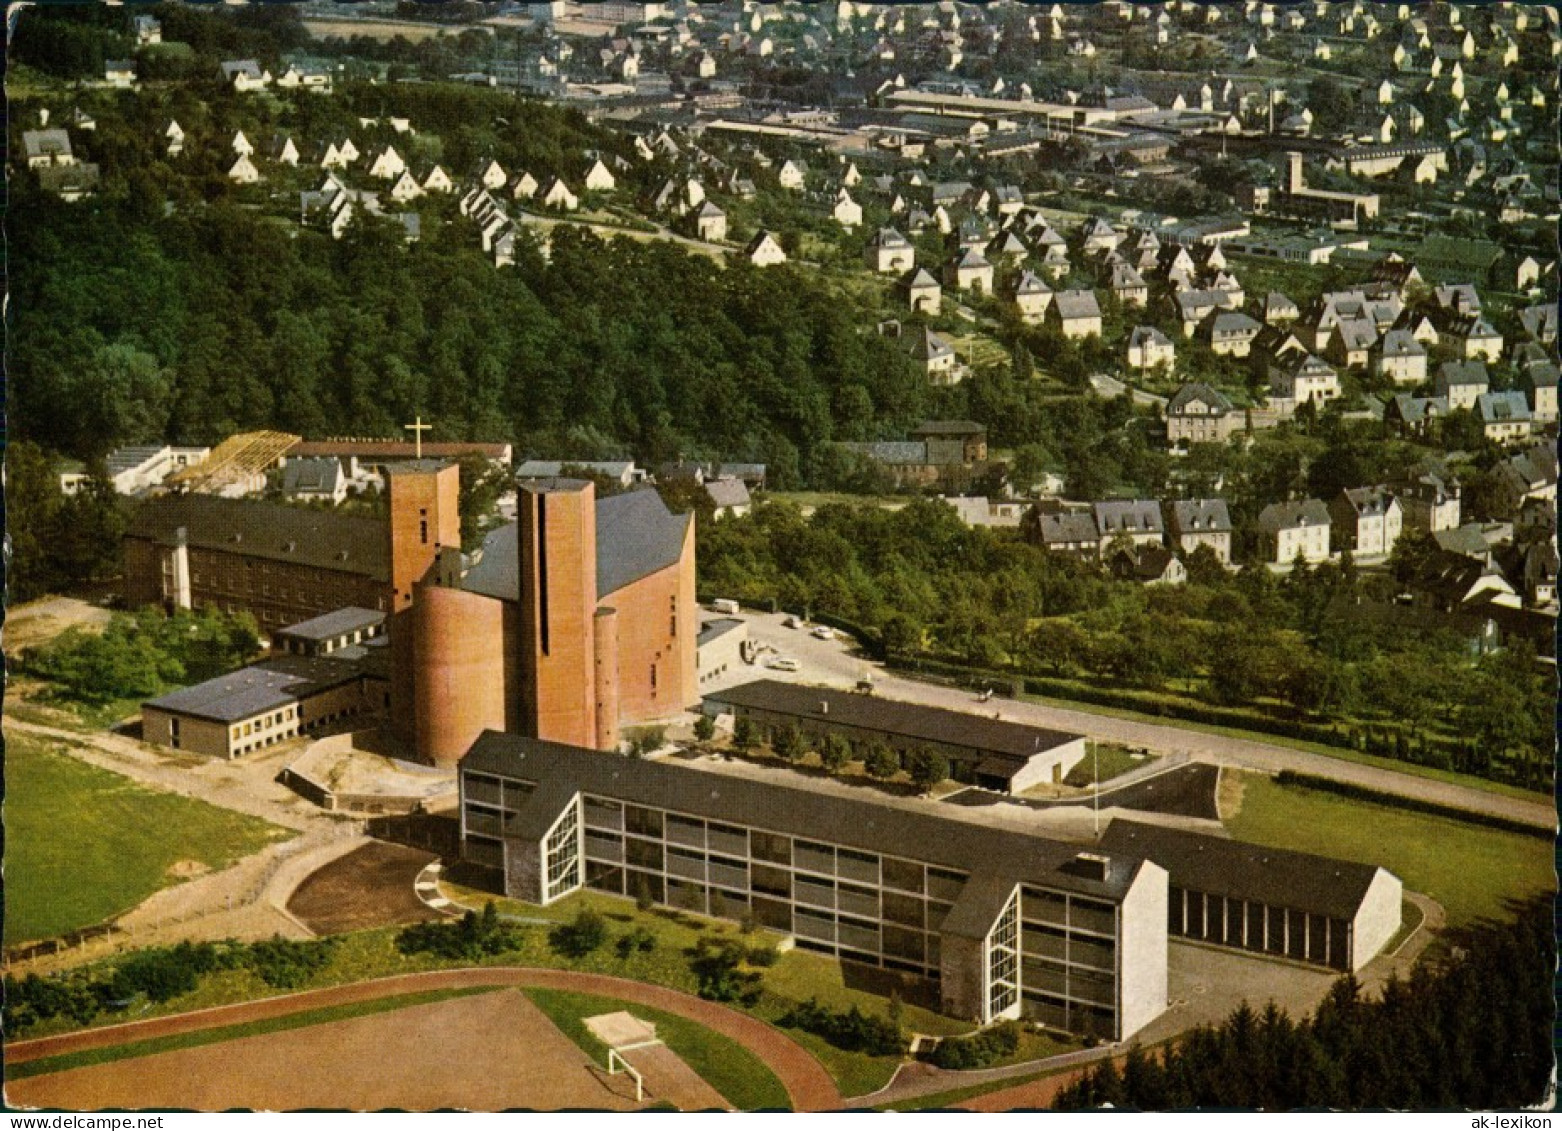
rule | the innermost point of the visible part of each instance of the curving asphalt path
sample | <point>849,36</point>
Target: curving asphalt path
<point>807,1083</point>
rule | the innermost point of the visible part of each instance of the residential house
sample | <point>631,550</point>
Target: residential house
<point>1399,357</point>
<point>710,224</point>
<point>1069,533</point>
<point>1139,520</point>
<point>1147,564</point>
<point>599,178</point>
<point>1200,522</point>
<point>173,134</point>
<point>241,145</point>
<point>764,250</point>
<point>970,272</point>
<point>1462,383</point>
<point>1230,332</point>
<point>1309,378</point>
<point>889,252</point>
<point>1288,529</point>
<point>1538,383</point>
<point>1471,336</point>
<point>1148,348</point>
<point>1199,414</point>
<point>243,171</point>
<point>1412,417</point>
<point>1430,502</point>
<point>952,442</point>
<point>1366,520</point>
<point>493,177</point>
<point>1279,309</point>
<point>1505,417</point>
<point>438,180</point>
<point>934,356</point>
<point>47,148</point>
<point>283,151</point>
<point>921,291</point>
<point>244,75</point>
<point>846,211</point>
<point>1350,343</point>
<point>1031,297</point>
<point>792,176</point>
<point>729,495</point>
<point>1539,323</point>
<point>406,188</point>
<point>1519,479</point>
<point>1195,307</point>
<point>1076,314</point>
<point>388,165</point>
<point>1128,285</point>
<point>120,73</point>
<point>314,479</point>
<point>559,197</point>
<point>523,187</point>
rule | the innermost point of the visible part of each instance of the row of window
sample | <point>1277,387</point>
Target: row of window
<point>1261,927</point>
<point>255,726</point>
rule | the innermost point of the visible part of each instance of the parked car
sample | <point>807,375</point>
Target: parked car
<point>791,622</point>
<point>725,605</point>
<point>823,632</point>
<point>781,664</point>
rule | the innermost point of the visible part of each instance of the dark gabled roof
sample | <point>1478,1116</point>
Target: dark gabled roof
<point>636,536</point>
<point>1127,516</point>
<point>1068,528</point>
<point>312,475</point>
<point>261,687</point>
<point>1286,516</point>
<point>321,539</point>
<point>914,721</point>
<point>1216,866</point>
<point>334,624</point>
<point>561,771</point>
<point>1451,373</point>
<point>1197,391</point>
<point>1201,516</point>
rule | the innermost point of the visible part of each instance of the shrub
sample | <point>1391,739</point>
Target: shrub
<point>717,965</point>
<point>881,762</point>
<point>834,752</point>
<point>704,728</point>
<point>765,956</point>
<point>638,940</point>
<point>473,936</point>
<point>743,734</point>
<point>852,1029</point>
<point>979,1049</point>
<point>286,963</point>
<point>787,744</point>
<point>581,936</point>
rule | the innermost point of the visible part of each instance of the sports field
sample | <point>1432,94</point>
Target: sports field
<point>484,1052</point>
<point>83,844</point>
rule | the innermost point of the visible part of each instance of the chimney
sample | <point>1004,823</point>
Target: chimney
<point>824,706</point>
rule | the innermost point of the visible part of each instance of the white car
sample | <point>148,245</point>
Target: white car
<point>781,664</point>
<point>823,632</point>
<point>791,622</point>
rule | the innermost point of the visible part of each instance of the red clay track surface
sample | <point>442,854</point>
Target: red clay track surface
<point>807,1083</point>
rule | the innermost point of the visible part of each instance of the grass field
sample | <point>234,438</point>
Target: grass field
<point>1468,869</point>
<point>1114,761</point>
<point>86,1057</point>
<point>83,844</point>
<point>721,1062</point>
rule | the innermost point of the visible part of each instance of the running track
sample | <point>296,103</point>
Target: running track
<point>807,1083</point>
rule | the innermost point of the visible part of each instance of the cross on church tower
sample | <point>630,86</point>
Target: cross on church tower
<point>417,428</point>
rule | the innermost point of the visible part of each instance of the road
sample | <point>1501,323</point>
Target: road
<point>1110,387</point>
<point>827,662</point>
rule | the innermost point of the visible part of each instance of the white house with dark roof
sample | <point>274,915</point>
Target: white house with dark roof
<point>1199,414</point>
<point>1149,348</point>
<point>1288,529</point>
<point>1505,417</point>
<point>1137,519</point>
<point>1031,297</point>
<point>1400,358</point>
<point>889,252</point>
<point>1076,314</point>
<point>1230,332</point>
<point>1302,379</point>
<point>1461,382</point>
<point>764,250</point>
<point>1366,520</point>
<point>1192,523</point>
<point>921,291</point>
<point>970,272</point>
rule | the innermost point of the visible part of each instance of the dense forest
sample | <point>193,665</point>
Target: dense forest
<point>1468,1032</point>
<point>201,323</point>
<point>1320,644</point>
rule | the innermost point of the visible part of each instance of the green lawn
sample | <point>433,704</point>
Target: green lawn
<point>1470,870</point>
<point>1113,760</point>
<point>725,1065</point>
<point>84,844</point>
<point>301,1020</point>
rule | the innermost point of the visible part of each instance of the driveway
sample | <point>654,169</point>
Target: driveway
<point>829,663</point>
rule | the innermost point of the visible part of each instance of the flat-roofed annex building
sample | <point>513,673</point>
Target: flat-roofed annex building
<point>982,751</point>
<point>1005,923</point>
